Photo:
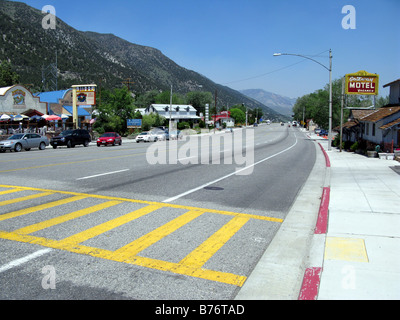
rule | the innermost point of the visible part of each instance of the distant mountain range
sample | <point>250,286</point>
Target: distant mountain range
<point>278,103</point>
<point>103,59</point>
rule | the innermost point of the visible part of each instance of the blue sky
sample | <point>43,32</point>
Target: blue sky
<point>232,42</point>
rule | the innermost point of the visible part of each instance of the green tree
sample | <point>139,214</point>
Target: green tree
<point>316,105</point>
<point>238,115</point>
<point>152,120</point>
<point>7,76</point>
<point>199,99</point>
<point>146,99</point>
<point>115,109</point>
<point>165,98</point>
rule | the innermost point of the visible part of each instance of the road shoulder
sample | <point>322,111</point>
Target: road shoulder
<point>279,273</point>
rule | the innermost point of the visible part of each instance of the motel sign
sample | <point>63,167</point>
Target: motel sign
<point>362,83</point>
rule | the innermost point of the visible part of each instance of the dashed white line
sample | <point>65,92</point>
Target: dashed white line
<point>229,175</point>
<point>26,259</point>
<point>102,174</point>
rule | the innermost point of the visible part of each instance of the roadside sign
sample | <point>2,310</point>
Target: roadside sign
<point>134,123</point>
<point>362,83</point>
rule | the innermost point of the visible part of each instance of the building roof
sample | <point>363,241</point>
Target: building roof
<point>391,124</point>
<point>361,113</point>
<point>81,111</point>
<point>4,90</point>
<point>393,82</point>
<point>381,114</point>
<point>51,96</point>
<point>182,107</point>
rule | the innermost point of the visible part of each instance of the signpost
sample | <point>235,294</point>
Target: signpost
<point>359,83</point>
<point>82,95</point>
<point>362,83</point>
<point>134,123</point>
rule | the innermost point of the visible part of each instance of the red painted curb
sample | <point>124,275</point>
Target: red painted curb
<point>312,276</point>
<point>328,161</point>
<point>310,286</point>
<point>322,222</point>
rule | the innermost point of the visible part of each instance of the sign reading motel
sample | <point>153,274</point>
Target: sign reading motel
<point>362,83</point>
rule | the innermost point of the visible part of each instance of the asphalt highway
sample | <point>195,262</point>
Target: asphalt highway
<point>171,220</point>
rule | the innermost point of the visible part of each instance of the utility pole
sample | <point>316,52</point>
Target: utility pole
<point>128,82</point>
<point>215,119</point>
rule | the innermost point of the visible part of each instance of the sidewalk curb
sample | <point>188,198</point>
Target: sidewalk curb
<point>312,275</point>
<point>279,273</point>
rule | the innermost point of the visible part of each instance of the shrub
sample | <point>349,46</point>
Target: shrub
<point>354,146</point>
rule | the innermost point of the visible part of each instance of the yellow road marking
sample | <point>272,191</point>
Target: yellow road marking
<point>107,226</point>
<point>217,276</point>
<point>149,239</point>
<point>207,249</point>
<point>191,265</point>
<point>10,191</point>
<point>166,205</point>
<point>33,196</point>
<point>67,217</point>
<point>39,207</point>
<point>65,163</point>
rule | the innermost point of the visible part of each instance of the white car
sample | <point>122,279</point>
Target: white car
<point>161,135</point>
<point>146,137</point>
<point>175,135</point>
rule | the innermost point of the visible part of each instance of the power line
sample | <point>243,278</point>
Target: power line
<point>270,72</point>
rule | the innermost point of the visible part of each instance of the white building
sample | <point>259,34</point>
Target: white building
<point>17,99</point>
<point>178,112</point>
<point>394,95</point>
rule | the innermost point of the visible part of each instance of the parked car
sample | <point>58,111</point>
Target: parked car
<point>146,137</point>
<point>323,133</point>
<point>26,141</point>
<point>71,138</point>
<point>175,135</point>
<point>161,135</point>
<point>107,138</point>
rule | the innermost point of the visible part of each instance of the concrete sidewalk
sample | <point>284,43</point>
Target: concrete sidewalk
<point>361,259</point>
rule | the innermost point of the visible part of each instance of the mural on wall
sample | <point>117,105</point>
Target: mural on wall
<point>19,97</point>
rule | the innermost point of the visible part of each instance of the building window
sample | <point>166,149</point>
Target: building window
<point>373,129</point>
<point>367,129</point>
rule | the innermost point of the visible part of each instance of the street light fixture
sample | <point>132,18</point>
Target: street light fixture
<point>330,86</point>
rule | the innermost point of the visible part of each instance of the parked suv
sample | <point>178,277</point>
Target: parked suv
<point>71,138</point>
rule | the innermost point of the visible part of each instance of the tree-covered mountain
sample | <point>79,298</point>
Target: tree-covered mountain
<point>89,57</point>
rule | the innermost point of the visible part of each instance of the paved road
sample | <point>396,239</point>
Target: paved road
<point>104,223</point>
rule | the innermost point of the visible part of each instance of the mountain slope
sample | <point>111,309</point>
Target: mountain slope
<point>89,57</point>
<point>280,104</point>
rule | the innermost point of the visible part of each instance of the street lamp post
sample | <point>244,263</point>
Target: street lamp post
<point>330,87</point>
<point>170,110</point>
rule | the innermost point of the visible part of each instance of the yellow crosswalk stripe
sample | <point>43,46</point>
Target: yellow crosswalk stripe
<point>33,196</point>
<point>39,207</point>
<point>107,226</point>
<point>67,217</point>
<point>10,191</point>
<point>149,239</point>
<point>210,247</point>
<point>192,265</point>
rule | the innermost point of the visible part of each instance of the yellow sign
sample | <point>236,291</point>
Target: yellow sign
<point>86,94</point>
<point>362,83</point>
<point>82,95</point>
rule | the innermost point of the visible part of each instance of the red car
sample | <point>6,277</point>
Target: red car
<point>107,138</point>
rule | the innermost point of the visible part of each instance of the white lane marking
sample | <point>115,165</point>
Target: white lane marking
<point>102,174</point>
<point>229,175</point>
<point>26,259</point>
